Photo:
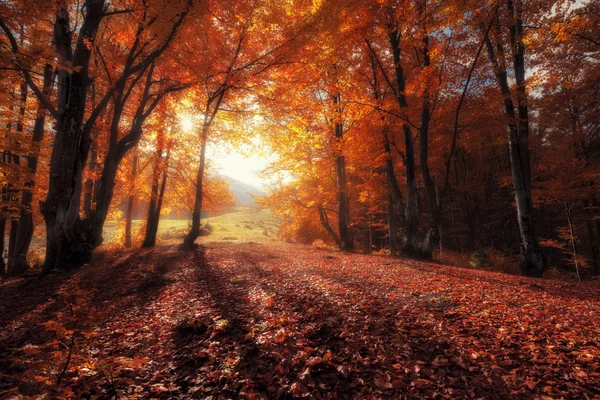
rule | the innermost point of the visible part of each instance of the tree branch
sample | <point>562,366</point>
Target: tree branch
<point>15,50</point>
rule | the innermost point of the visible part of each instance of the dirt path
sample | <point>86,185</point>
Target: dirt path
<point>283,321</point>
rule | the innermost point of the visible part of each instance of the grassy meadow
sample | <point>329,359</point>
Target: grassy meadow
<point>242,224</point>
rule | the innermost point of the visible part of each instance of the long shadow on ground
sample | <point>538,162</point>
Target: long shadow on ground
<point>307,340</point>
<point>100,287</point>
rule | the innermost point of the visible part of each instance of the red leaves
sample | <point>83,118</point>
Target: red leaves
<point>382,381</point>
<point>300,325</point>
<point>281,336</point>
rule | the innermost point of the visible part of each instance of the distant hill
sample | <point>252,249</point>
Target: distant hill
<point>243,192</point>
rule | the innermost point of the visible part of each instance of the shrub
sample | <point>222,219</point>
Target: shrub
<point>480,259</point>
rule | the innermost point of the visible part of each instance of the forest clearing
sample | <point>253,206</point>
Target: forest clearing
<point>288,199</point>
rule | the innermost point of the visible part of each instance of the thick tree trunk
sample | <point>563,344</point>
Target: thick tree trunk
<point>411,218</point>
<point>534,262</point>
<point>70,240</point>
<point>346,242</point>
<point>83,236</point>
<point>61,208</point>
<point>25,228</point>
<point>190,238</point>
<point>12,239</point>
<point>156,199</point>
<point>130,202</point>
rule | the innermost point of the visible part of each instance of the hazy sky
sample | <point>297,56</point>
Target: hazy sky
<point>238,166</point>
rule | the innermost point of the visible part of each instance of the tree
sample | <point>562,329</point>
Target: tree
<point>159,182</point>
<point>238,66</point>
<point>24,228</point>
<point>534,263</point>
<point>70,240</point>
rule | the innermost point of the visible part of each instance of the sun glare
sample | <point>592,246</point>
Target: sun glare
<point>186,122</point>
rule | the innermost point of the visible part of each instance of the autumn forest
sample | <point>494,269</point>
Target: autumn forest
<point>292,199</point>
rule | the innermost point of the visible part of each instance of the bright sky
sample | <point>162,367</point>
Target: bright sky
<point>244,165</point>
<point>237,166</point>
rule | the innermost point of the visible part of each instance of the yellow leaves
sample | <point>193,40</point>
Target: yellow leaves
<point>316,5</point>
<point>364,196</point>
<point>560,34</point>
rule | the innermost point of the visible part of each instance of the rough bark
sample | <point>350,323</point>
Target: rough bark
<point>61,207</point>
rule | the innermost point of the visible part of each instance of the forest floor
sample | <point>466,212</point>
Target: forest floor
<point>237,319</point>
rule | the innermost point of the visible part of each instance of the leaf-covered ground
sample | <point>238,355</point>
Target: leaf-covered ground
<point>235,320</point>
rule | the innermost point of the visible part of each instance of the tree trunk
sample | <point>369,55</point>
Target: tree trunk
<point>392,225</point>
<point>61,207</point>
<point>152,221</point>
<point>394,198</point>
<point>90,186</point>
<point>325,222</point>
<point>594,244</point>
<point>163,186</point>
<point>346,243</point>
<point>16,159</point>
<point>395,195</point>
<point>432,237</point>
<point>411,214</point>
<point>130,201</point>
<point>25,228</point>
<point>534,262</point>
<point>156,199</point>
<point>190,238</point>
<point>2,233</point>
<point>91,228</point>
<point>81,237</point>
